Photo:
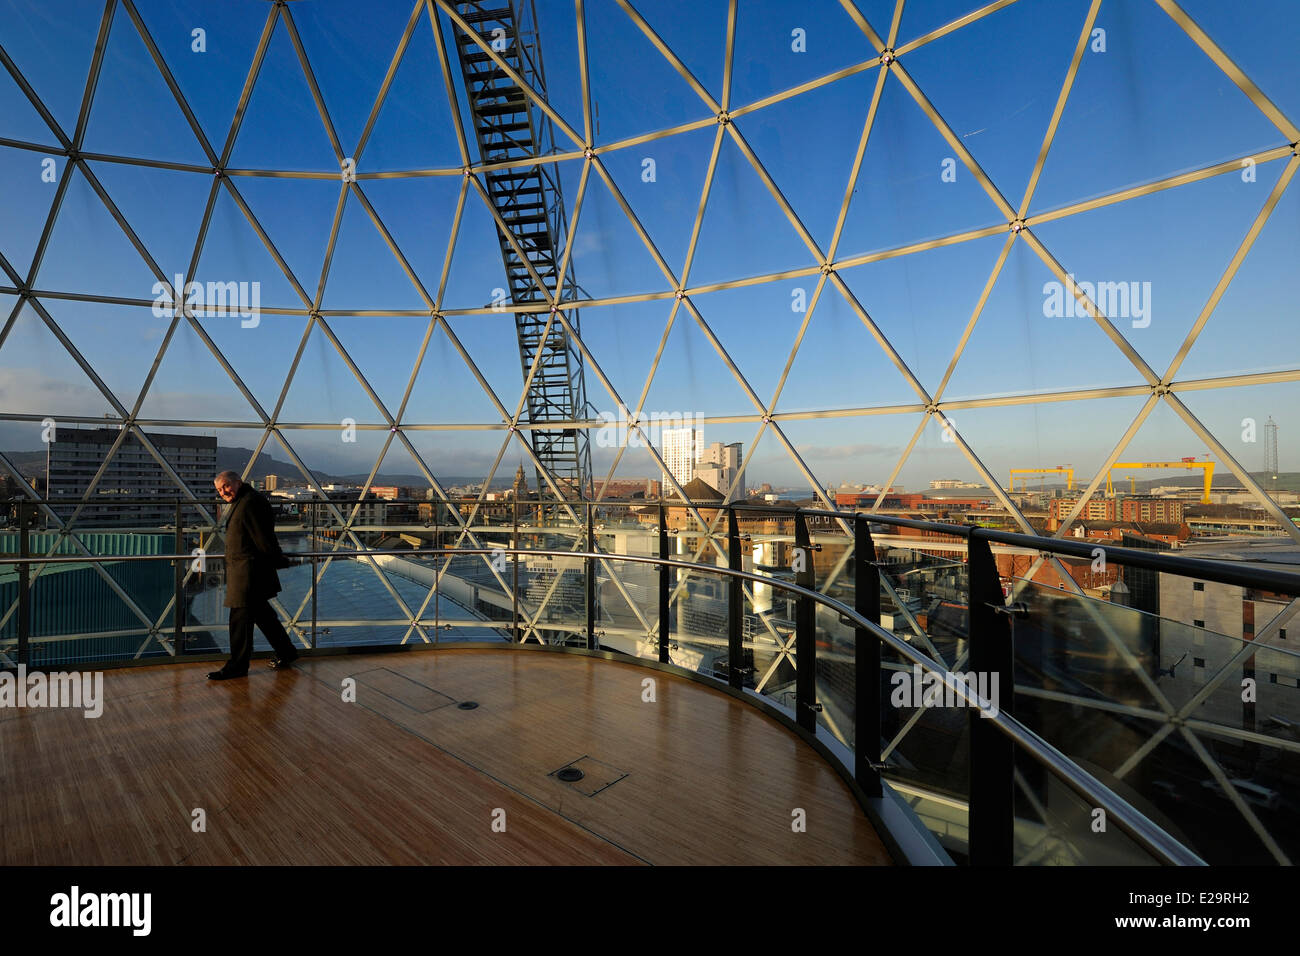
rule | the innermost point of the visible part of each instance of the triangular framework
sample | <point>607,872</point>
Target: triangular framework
<point>819,263</point>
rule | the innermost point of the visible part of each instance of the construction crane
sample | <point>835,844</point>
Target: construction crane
<point>1065,469</point>
<point>1188,463</point>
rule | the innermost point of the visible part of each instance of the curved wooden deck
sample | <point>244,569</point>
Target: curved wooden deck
<point>287,772</point>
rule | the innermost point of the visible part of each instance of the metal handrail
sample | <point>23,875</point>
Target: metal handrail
<point>1154,840</point>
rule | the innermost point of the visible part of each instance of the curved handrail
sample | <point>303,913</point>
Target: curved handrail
<point>1155,840</point>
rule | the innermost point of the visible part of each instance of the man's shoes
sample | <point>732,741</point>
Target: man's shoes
<point>226,675</point>
<point>280,663</point>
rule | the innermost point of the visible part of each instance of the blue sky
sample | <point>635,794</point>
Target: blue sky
<point>1149,106</point>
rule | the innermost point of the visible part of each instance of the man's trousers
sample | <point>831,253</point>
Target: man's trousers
<point>242,619</point>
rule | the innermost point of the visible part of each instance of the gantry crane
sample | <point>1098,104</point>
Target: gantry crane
<point>1188,462</point>
<point>1065,469</point>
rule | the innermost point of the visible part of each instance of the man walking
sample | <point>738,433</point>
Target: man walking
<point>252,556</point>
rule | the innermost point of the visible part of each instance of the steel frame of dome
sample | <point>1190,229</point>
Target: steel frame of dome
<point>888,59</point>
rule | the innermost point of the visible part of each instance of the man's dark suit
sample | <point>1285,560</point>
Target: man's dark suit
<point>252,556</point>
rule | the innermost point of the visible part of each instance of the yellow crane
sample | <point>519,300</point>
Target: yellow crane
<point>1059,469</point>
<point>1189,463</point>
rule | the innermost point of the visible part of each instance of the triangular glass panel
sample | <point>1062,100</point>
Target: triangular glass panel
<point>163,206</point>
<point>282,128</point>
<point>811,163</point>
<point>415,128</point>
<point>27,199</point>
<point>692,378</point>
<point>922,303</point>
<point>84,223</point>
<point>445,390</point>
<point>1256,45</point>
<point>1182,94</point>
<point>325,390</point>
<point>119,341</point>
<point>477,276</point>
<point>209,56</point>
<point>40,377</point>
<point>384,348</point>
<point>819,38</point>
<point>191,383</point>
<point>1255,425</point>
<point>131,97</point>
<point>462,459</point>
<point>623,339</point>
<point>234,252</point>
<point>260,354</point>
<point>1260,299</point>
<point>350,56</point>
<point>912,186</point>
<point>745,231</point>
<point>697,35</point>
<point>53,47</point>
<point>862,374</point>
<point>1033,336</point>
<point>619,112</point>
<point>609,258</point>
<point>418,213</point>
<point>662,182</point>
<point>298,215</point>
<point>21,120</point>
<point>364,274</point>
<point>1001,123</point>
<point>492,344</point>
<point>1154,297</point>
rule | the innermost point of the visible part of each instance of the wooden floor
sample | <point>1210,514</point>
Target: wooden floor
<point>287,772</point>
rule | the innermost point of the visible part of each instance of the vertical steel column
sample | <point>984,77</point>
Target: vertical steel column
<point>665,585</point>
<point>313,547</point>
<point>992,758</point>
<point>735,605</point>
<point>866,661</point>
<point>25,513</point>
<point>805,639</point>
<point>591,581</point>
<point>178,604</point>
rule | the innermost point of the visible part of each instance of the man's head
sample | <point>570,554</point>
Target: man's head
<point>228,484</point>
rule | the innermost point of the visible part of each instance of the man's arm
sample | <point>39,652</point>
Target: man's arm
<point>261,530</point>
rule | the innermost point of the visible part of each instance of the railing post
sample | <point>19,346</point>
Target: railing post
<point>25,513</point>
<point>665,585</point>
<point>591,581</point>
<point>805,640</point>
<point>514,568</point>
<point>178,604</point>
<point>866,659</point>
<point>735,605</point>
<point>314,547</point>
<point>992,758</point>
